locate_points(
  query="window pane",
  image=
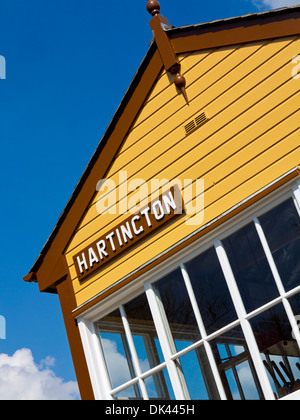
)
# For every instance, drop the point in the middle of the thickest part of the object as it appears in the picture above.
(250, 268)
(279, 351)
(211, 291)
(159, 386)
(282, 230)
(198, 375)
(174, 297)
(115, 349)
(235, 366)
(295, 304)
(143, 332)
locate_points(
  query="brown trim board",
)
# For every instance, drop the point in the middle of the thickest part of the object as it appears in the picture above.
(68, 303)
(236, 31)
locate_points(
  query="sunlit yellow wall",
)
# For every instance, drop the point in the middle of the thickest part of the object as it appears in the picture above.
(251, 138)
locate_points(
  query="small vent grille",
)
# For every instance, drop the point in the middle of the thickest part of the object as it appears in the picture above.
(195, 123)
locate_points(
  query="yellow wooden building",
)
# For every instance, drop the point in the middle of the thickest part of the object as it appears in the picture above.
(176, 259)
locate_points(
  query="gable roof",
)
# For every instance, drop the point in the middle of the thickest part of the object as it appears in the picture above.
(50, 265)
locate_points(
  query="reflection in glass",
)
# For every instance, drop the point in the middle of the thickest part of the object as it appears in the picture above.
(115, 349)
(281, 226)
(250, 268)
(159, 386)
(295, 305)
(198, 375)
(235, 366)
(279, 351)
(143, 332)
(174, 297)
(211, 291)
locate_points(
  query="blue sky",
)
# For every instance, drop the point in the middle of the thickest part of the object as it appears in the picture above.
(69, 64)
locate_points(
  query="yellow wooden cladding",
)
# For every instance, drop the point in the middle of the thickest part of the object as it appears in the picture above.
(251, 138)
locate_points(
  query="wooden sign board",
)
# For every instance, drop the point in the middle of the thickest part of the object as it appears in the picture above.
(136, 227)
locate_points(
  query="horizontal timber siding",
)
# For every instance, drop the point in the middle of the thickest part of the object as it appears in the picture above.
(251, 138)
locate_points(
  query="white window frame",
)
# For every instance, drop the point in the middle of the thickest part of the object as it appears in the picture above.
(89, 335)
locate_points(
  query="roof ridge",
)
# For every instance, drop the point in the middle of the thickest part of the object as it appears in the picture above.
(248, 16)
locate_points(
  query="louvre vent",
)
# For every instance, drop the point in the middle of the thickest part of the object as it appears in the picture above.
(195, 123)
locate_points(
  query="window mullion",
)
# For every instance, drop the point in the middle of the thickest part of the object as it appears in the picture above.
(95, 360)
(296, 196)
(134, 355)
(245, 325)
(203, 333)
(179, 389)
(278, 281)
(269, 256)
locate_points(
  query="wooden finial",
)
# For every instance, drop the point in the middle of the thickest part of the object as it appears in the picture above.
(169, 58)
(180, 83)
(153, 7)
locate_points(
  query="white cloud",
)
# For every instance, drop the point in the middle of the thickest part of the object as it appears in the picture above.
(118, 366)
(116, 362)
(275, 4)
(22, 379)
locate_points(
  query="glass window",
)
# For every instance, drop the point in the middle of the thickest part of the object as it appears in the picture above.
(172, 292)
(279, 351)
(143, 333)
(250, 268)
(198, 375)
(115, 349)
(228, 350)
(211, 292)
(159, 386)
(295, 304)
(281, 226)
(235, 366)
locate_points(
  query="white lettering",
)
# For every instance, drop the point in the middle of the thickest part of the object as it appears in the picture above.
(296, 69)
(119, 237)
(156, 214)
(156, 187)
(109, 237)
(145, 213)
(2, 328)
(126, 232)
(169, 202)
(140, 187)
(123, 192)
(106, 203)
(92, 257)
(141, 229)
(101, 249)
(82, 263)
(123, 410)
(2, 67)
(194, 202)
